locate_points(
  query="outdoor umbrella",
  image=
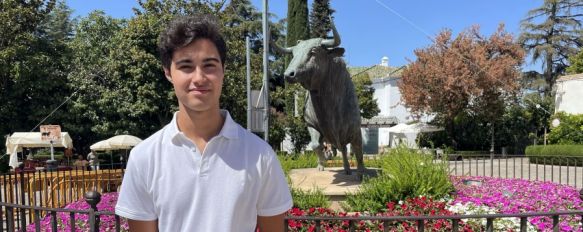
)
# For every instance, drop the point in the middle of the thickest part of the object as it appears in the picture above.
(421, 127)
(102, 145)
(123, 141)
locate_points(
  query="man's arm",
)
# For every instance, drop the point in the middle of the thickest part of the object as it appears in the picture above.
(271, 223)
(144, 226)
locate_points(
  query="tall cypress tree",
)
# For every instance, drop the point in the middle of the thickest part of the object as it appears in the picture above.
(319, 18)
(297, 24)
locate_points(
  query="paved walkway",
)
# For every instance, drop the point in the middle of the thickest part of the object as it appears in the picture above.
(332, 181)
(519, 168)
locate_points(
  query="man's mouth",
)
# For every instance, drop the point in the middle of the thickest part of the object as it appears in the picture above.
(199, 90)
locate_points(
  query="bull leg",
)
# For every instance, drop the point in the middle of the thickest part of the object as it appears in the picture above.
(317, 146)
(356, 146)
(345, 162)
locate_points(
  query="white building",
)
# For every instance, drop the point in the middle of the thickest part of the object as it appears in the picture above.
(385, 81)
(569, 94)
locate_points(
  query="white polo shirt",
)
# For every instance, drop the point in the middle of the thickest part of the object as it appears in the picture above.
(223, 188)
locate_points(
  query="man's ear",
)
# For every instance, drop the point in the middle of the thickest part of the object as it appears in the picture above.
(167, 74)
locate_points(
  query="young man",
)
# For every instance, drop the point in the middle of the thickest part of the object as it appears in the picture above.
(202, 171)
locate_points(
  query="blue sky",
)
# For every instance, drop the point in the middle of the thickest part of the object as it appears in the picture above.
(371, 29)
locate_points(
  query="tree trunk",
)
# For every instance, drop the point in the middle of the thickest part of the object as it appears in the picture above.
(492, 140)
(449, 127)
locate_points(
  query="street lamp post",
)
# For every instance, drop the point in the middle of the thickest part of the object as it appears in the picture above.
(538, 106)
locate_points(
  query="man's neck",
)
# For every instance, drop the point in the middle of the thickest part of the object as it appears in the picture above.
(200, 126)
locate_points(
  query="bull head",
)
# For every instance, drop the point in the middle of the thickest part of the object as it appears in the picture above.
(310, 56)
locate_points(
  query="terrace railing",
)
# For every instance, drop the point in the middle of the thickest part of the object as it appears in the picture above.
(566, 170)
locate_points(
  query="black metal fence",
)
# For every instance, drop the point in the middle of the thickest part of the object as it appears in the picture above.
(388, 223)
(28, 196)
(567, 170)
(28, 218)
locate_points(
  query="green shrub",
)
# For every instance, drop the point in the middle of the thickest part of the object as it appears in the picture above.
(569, 131)
(4, 168)
(295, 161)
(309, 199)
(405, 174)
(571, 155)
(472, 154)
(45, 154)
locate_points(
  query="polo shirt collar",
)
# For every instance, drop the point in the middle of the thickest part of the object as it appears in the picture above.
(229, 129)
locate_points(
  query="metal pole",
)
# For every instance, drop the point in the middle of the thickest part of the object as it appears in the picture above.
(545, 136)
(265, 71)
(52, 151)
(248, 83)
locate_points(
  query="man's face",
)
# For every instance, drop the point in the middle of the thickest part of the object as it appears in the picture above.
(196, 72)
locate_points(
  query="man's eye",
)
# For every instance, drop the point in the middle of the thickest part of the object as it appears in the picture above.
(210, 65)
(185, 67)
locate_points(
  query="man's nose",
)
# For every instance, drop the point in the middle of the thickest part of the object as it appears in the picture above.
(198, 76)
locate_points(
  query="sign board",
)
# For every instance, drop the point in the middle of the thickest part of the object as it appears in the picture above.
(50, 132)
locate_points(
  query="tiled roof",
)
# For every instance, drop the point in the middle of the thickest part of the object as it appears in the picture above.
(578, 76)
(379, 121)
(375, 72)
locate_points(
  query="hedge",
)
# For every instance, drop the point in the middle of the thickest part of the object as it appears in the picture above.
(571, 155)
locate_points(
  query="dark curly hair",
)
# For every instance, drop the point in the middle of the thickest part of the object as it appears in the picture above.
(183, 30)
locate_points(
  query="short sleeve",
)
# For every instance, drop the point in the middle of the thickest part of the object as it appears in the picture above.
(275, 197)
(134, 202)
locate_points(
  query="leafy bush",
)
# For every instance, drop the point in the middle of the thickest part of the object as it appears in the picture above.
(569, 131)
(409, 207)
(4, 168)
(45, 154)
(295, 161)
(405, 174)
(314, 198)
(571, 155)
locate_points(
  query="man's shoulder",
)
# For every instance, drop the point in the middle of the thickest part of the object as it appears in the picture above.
(252, 139)
(148, 146)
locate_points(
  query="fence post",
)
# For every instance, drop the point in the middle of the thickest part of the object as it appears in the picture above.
(22, 197)
(93, 198)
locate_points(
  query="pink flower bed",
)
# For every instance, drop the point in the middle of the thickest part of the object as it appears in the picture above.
(502, 195)
(107, 223)
(521, 196)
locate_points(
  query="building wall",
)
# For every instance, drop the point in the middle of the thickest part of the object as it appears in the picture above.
(569, 95)
(388, 99)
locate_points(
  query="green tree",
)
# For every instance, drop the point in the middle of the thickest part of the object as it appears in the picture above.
(552, 33)
(32, 63)
(576, 63)
(92, 78)
(365, 92)
(320, 18)
(569, 131)
(471, 74)
(298, 27)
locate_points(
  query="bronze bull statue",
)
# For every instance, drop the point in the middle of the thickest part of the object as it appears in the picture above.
(331, 110)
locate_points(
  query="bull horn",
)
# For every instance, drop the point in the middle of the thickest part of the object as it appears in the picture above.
(332, 42)
(280, 49)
